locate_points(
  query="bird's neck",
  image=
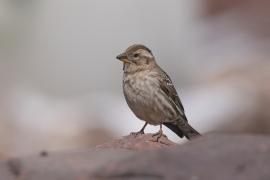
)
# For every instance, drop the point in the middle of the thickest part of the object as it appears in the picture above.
(132, 68)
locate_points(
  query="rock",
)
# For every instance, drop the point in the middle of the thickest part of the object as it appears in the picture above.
(59, 166)
(77, 164)
(222, 157)
(140, 142)
(211, 157)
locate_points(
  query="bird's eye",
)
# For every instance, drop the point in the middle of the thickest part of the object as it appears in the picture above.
(136, 55)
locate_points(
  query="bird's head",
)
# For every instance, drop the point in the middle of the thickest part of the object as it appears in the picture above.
(137, 57)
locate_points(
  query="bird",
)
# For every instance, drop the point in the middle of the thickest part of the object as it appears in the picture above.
(151, 95)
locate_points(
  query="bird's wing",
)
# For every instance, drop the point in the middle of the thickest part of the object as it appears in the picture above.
(168, 88)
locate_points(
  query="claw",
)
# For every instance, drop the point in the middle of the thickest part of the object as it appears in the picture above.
(140, 132)
(137, 133)
(158, 135)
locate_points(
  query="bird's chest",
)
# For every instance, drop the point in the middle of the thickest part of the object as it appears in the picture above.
(139, 93)
(136, 88)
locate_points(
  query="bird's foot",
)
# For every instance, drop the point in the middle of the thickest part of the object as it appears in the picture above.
(158, 135)
(135, 134)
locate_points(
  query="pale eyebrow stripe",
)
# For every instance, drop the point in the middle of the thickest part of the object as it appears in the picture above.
(145, 53)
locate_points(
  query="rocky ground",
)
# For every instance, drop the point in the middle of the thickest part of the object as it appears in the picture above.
(211, 157)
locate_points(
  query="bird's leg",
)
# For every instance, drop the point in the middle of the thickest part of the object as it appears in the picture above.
(139, 132)
(159, 134)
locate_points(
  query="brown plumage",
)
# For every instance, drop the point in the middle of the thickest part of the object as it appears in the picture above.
(150, 93)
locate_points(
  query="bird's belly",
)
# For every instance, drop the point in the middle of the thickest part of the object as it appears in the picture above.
(147, 113)
(141, 100)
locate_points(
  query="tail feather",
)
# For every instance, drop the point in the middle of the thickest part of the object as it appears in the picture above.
(182, 128)
(175, 129)
(191, 132)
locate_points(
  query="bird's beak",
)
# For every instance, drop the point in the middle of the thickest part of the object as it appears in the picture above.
(123, 57)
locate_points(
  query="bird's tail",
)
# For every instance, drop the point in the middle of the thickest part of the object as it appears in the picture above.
(190, 132)
(175, 129)
(182, 128)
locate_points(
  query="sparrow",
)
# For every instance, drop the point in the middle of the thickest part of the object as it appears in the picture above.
(150, 93)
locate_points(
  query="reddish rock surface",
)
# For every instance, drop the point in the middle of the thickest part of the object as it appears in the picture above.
(211, 157)
(140, 142)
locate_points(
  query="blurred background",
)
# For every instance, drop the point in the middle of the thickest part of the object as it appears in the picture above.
(61, 86)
